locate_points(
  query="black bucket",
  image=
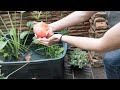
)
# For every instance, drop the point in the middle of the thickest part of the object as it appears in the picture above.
(50, 68)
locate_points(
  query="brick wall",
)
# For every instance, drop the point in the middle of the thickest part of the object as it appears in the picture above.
(52, 16)
(98, 25)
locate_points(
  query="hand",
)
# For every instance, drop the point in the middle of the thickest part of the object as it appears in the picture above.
(50, 31)
(51, 40)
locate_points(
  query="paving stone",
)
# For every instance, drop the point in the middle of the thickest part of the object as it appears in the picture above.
(99, 73)
(85, 73)
(96, 63)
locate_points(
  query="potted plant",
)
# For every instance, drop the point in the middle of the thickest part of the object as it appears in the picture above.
(23, 57)
(78, 58)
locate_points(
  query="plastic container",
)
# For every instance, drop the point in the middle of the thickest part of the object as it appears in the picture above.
(52, 68)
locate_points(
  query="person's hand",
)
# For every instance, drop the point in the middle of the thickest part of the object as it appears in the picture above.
(42, 30)
(51, 40)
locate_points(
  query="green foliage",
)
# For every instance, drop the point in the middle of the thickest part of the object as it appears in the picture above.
(53, 51)
(37, 16)
(23, 34)
(64, 32)
(30, 24)
(78, 58)
(2, 44)
(11, 44)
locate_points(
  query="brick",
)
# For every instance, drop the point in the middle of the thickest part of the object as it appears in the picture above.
(96, 34)
(93, 18)
(98, 31)
(86, 22)
(91, 21)
(79, 34)
(92, 27)
(99, 35)
(83, 23)
(73, 31)
(99, 19)
(80, 27)
(101, 31)
(100, 14)
(91, 30)
(91, 33)
(101, 25)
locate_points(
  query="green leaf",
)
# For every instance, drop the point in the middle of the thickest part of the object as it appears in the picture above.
(1, 62)
(30, 24)
(78, 58)
(65, 31)
(23, 34)
(34, 38)
(60, 50)
(11, 32)
(5, 55)
(1, 51)
(35, 41)
(2, 44)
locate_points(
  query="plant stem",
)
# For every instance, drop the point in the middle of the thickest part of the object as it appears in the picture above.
(20, 22)
(39, 15)
(16, 44)
(15, 19)
(26, 37)
(34, 15)
(4, 24)
(18, 33)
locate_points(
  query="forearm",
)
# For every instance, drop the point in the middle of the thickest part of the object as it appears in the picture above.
(72, 19)
(110, 41)
(86, 43)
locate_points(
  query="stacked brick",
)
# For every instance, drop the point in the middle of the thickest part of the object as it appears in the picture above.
(80, 30)
(98, 25)
(16, 19)
(77, 30)
(57, 15)
(46, 16)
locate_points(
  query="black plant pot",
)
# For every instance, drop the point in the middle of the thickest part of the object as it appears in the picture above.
(50, 68)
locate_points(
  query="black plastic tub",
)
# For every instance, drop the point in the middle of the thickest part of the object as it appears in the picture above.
(52, 68)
